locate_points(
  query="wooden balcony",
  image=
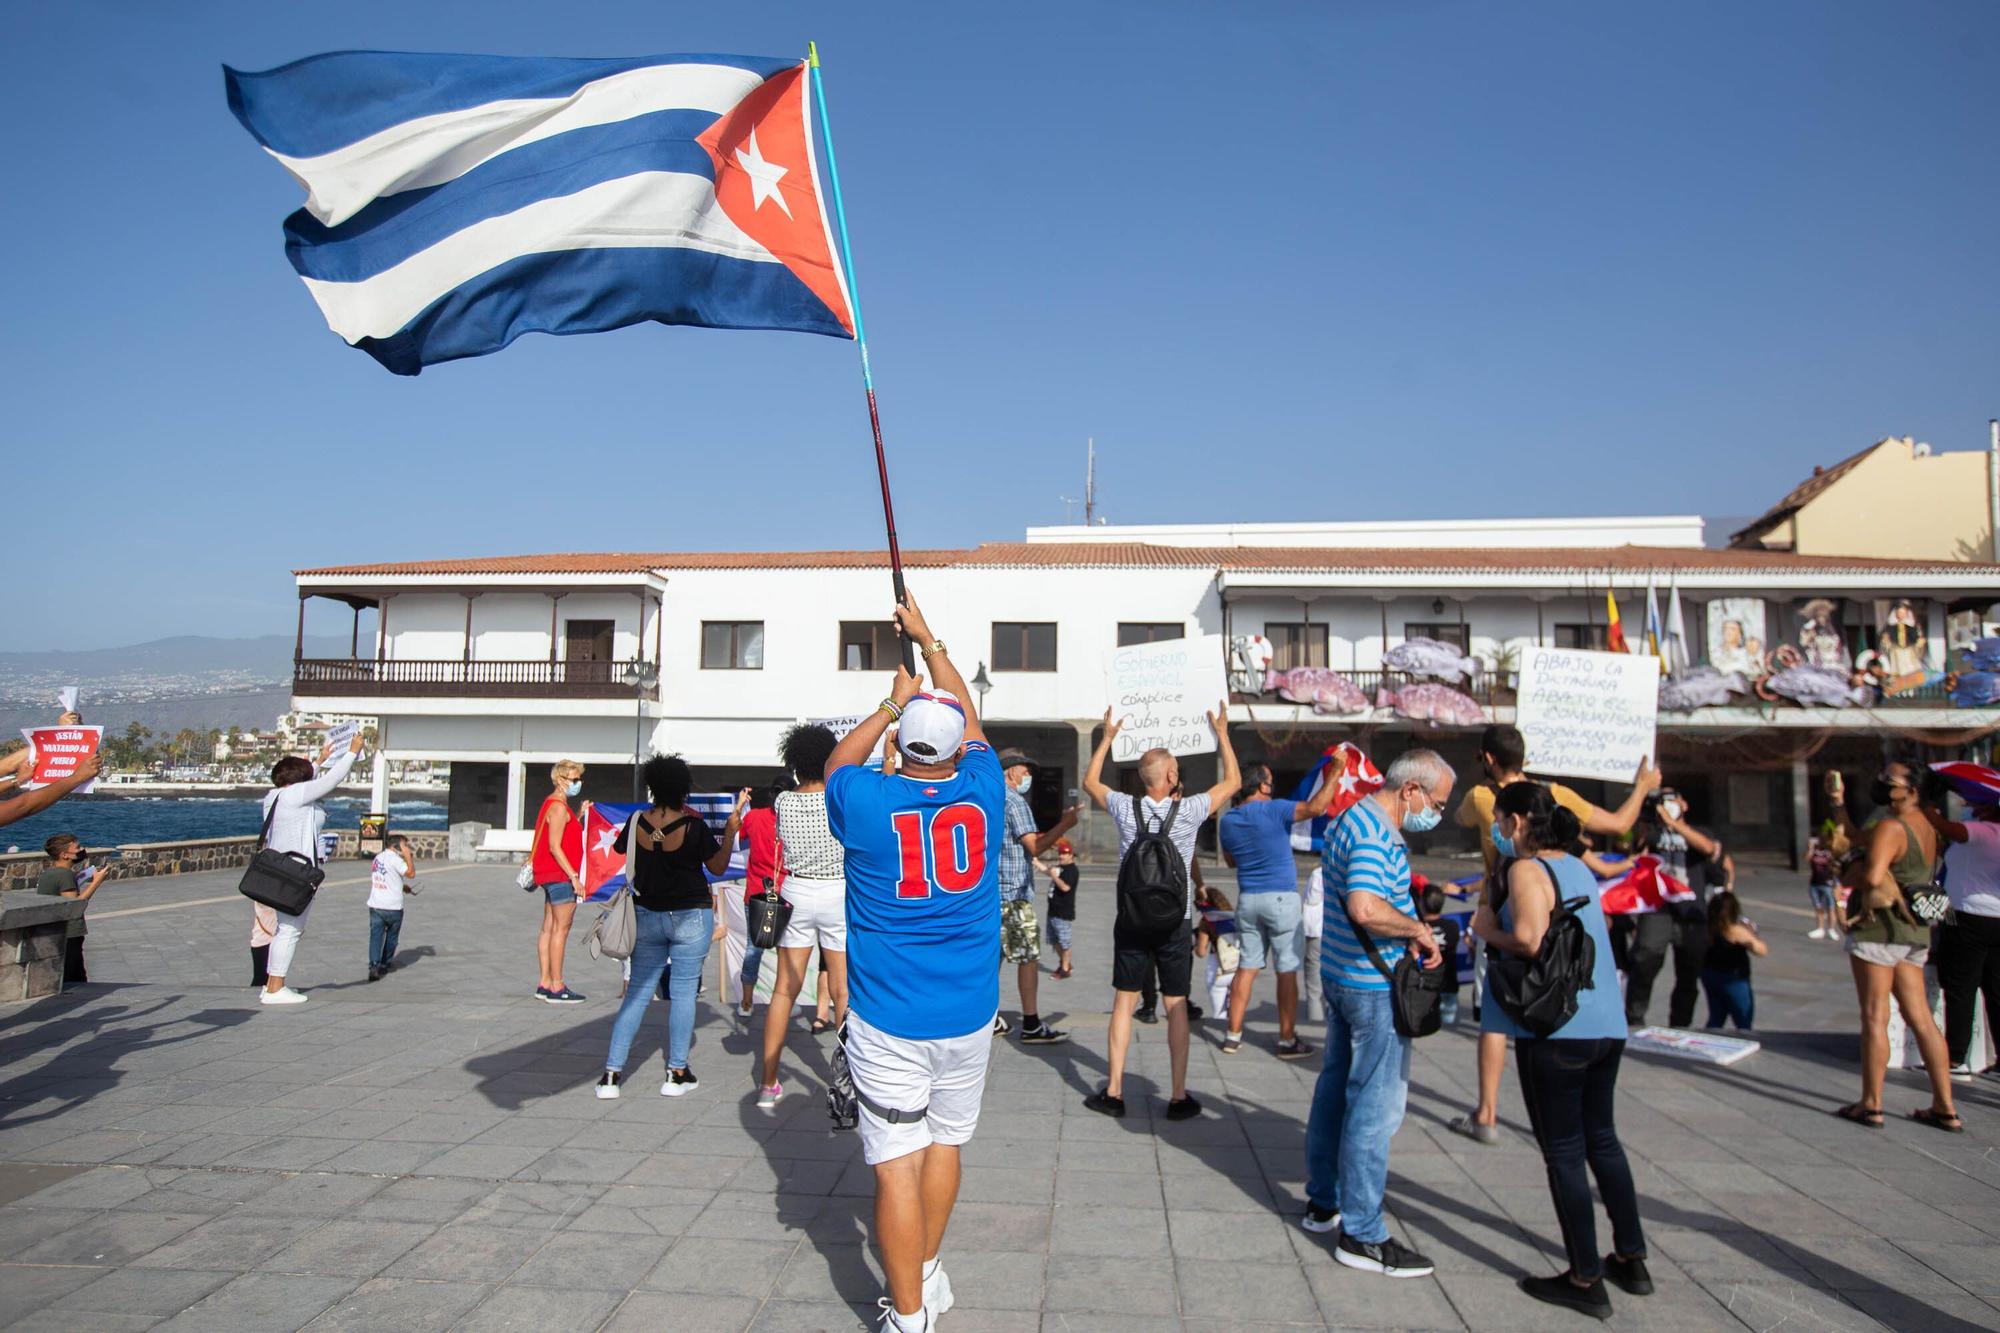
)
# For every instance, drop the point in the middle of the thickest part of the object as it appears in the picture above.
(366, 678)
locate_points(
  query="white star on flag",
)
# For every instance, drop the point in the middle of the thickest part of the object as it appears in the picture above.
(1348, 782)
(764, 176)
(604, 841)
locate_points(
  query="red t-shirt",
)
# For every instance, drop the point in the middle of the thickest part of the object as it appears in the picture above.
(760, 834)
(546, 869)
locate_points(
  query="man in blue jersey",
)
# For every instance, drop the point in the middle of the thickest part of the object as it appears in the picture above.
(923, 957)
(1364, 1081)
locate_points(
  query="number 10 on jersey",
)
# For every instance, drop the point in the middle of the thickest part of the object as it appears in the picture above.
(944, 848)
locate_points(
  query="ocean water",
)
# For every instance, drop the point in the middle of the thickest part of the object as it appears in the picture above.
(106, 823)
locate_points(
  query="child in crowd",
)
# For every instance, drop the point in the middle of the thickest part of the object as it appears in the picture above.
(388, 880)
(1822, 880)
(1725, 969)
(1431, 900)
(1215, 939)
(69, 877)
(1063, 878)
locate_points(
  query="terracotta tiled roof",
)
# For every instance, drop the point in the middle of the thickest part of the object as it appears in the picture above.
(1137, 555)
(1797, 498)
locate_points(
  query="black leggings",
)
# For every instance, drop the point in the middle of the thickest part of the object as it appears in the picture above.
(1569, 1086)
(1968, 963)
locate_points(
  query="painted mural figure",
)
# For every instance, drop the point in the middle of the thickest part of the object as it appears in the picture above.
(1902, 643)
(1819, 636)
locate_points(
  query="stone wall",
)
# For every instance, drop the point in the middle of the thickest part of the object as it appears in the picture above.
(33, 934)
(18, 870)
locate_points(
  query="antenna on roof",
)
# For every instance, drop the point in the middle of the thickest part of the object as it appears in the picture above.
(1090, 481)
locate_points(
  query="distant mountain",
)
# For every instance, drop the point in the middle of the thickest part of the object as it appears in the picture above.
(252, 710)
(268, 657)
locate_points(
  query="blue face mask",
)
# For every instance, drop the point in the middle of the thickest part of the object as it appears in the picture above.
(576, 788)
(1502, 843)
(1424, 820)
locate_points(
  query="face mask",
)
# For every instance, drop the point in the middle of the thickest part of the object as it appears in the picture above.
(1672, 809)
(1502, 843)
(1022, 783)
(1424, 820)
(575, 788)
(1880, 792)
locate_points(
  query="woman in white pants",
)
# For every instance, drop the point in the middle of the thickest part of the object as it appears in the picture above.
(816, 887)
(293, 808)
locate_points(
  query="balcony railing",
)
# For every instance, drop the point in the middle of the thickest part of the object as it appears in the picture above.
(1497, 689)
(480, 680)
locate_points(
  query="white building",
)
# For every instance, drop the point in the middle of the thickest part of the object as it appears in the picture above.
(502, 666)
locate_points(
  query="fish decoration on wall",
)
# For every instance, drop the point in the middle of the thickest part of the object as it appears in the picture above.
(1326, 690)
(1703, 687)
(1428, 657)
(1433, 703)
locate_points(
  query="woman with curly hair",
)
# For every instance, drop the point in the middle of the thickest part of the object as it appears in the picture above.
(815, 886)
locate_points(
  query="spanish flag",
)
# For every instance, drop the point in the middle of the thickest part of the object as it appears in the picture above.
(1615, 640)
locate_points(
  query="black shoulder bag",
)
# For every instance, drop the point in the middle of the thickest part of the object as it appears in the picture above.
(282, 881)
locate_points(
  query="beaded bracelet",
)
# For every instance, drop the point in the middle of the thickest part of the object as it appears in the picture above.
(895, 713)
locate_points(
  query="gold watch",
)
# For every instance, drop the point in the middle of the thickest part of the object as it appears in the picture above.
(937, 646)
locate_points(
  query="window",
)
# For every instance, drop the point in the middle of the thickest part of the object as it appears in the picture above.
(1148, 631)
(1597, 637)
(1454, 634)
(868, 645)
(1029, 646)
(1296, 645)
(732, 645)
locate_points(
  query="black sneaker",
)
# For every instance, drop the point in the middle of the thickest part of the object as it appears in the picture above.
(1592, 1300)
(1320, 1220)
(680, 1082)
(1185, 1108)
(1000, 1026)
(1041, 1034)
(1146, 1013)
(1232, 1043)
(1391, 1257)
(374, 973)
(1194, 1013)
(564, 996)
(1294, 1049)
(607, 1086)
(1628, 1275)
(1105, 1104)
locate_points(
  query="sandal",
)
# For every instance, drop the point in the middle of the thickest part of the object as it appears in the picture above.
(1861, 1115)
(820, 1025)
(1949, 1122)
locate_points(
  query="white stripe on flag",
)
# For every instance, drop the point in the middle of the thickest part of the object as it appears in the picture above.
(431, 150)
(651, 209)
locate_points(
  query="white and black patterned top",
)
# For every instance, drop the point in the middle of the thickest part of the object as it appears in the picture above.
(811, 850)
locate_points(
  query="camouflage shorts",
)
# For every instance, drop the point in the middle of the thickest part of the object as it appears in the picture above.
(1020, 933)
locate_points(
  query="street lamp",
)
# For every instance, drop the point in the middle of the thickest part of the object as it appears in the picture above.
(641, 676)
(980, 684)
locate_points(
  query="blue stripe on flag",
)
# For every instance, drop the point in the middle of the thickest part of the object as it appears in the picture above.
(588, 291)
(396, 226)
(324, 102)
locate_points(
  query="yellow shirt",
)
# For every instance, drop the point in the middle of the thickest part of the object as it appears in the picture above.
(1476, 813)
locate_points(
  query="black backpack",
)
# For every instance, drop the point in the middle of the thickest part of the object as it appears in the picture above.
(1152, 879)
(1540, 993)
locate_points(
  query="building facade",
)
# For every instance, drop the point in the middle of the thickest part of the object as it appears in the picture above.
(503, 666)
(1897, 498)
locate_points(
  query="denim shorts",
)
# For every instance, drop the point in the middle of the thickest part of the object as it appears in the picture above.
(1821, 895)
(1269, 929)
(560, 892)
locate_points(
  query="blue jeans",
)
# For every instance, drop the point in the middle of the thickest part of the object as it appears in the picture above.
(385, 928)
(1729, 999)
(1364, 1083)
(753, 963)
(681, 938)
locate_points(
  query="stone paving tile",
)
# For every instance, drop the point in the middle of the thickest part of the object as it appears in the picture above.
(467, 1252)
(28, 1287)
(156, 1292)
(112, 1238)
(346, 1248)
(400, 1304)
(582, 1260)
(233, 1241)
(262, 1301)
(651, 1311)
(721, 1267)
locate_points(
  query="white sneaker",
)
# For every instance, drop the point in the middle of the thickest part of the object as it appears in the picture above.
(892, 1322)
(1962, 1073)
(607, 1086)
(1816, 933)
(937, 1293)
(283, 995)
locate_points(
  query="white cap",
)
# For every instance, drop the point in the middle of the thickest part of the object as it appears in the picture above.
(931, 728)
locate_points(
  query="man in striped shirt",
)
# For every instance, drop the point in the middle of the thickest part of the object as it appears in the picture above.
(1365, 1079)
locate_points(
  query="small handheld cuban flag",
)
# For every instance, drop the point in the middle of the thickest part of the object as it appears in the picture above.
(456, 202)
(1976, 784)
(1358, 776)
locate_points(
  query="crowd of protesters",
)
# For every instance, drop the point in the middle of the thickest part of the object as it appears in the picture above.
(913, 884)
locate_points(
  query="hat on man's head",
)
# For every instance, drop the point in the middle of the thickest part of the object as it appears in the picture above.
(1011, 756)
(931, 728)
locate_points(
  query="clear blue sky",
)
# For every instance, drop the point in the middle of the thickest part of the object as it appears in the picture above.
(1306, 261)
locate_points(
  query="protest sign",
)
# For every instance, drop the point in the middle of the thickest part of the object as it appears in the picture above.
(1585, 714)
(58, 751)
(1161, 694)
(339, 736)
(847, 722)
(66, 696)
(1708, 1047)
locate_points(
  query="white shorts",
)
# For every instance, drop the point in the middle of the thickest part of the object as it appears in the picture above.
(819, 914)
(944, 1078)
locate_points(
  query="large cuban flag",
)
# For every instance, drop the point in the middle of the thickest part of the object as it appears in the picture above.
(455, 202)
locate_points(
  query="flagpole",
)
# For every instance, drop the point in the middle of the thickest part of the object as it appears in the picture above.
(860, 340)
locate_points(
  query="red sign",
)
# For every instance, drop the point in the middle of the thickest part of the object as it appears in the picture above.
(58, 752)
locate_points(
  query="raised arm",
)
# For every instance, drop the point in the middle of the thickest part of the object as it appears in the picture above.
(1698, 842)
(305, 793)
(41, 798)
(1948, 829)
(1231, 780)
(719, 863)
(855, 747)
(1315, 805)
(1093, 776)
(1644, 783)
(910, 620)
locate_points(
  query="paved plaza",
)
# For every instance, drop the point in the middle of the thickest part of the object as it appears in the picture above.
(425, 1152)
